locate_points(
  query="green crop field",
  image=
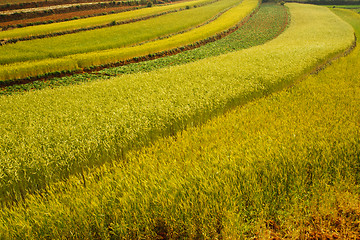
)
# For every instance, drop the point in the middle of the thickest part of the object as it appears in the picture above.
(284, 166)
(94, 21)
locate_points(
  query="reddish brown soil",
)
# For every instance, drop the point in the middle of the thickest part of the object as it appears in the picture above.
(343, 224)
(56, 17)
(21, 4)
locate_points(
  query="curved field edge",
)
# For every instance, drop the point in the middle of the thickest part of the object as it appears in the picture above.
(87, 60)
(285, 166)
(95, 22)
(266, 24)
(48, 135)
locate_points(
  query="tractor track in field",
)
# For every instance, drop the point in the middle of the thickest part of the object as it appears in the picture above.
(63, 17)
(4, 17)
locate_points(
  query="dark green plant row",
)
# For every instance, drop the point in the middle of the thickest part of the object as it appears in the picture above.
(266, 24)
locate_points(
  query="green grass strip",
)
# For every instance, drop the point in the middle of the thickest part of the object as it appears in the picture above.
(265, 25)
(275, 166)
(94, 21)
(80, 61)
(48, 135)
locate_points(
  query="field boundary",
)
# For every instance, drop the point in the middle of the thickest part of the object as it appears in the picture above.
(46, 3)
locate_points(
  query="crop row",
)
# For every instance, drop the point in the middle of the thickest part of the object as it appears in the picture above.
(266, 24)
(139, 33)
(278, 166)
(112, 37)
(65, 17)
(22, 4)
(55, 34)
(36, 13)
(48, 135)
(87, 23)
(114, 23)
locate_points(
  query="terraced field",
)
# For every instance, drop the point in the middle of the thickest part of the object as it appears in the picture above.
(194, 150)
(89, 23)
(58, 55)
(269, 22)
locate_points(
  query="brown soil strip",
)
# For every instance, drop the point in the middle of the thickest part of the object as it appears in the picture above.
(12, 5)
(61, 17)
(72, 8)
(66, 16)
(39, 9)
(341, 222)
(14, 40)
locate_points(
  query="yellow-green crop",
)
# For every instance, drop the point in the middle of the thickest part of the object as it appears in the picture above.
(48, 135)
